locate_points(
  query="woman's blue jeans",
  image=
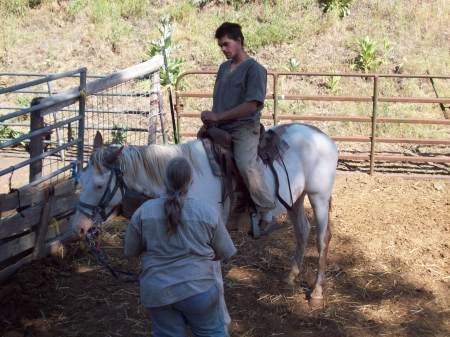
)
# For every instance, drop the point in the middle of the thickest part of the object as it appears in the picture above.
(201, 313)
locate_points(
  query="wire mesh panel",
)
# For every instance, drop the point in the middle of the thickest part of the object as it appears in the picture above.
(128, 113)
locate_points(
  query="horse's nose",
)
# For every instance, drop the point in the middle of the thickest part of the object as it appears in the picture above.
(81, 224)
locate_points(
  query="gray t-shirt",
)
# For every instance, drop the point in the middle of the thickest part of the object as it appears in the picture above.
(246, 83)
(181, 265)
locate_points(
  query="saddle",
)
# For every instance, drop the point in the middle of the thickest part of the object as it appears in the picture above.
(219, 150)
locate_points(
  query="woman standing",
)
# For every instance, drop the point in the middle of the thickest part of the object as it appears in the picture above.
(180, 240)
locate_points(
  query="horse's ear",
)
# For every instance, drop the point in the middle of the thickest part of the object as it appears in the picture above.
(112, 157)
(98, 140)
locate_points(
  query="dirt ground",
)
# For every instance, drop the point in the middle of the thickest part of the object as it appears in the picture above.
(388, 274)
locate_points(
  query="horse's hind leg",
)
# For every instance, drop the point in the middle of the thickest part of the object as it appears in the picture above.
(321, 206)
(301, 228)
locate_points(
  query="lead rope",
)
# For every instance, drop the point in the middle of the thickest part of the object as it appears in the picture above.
(101, 258)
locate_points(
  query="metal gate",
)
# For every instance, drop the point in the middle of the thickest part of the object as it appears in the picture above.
(47, 142)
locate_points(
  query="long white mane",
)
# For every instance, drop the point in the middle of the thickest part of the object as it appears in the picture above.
(152, 159)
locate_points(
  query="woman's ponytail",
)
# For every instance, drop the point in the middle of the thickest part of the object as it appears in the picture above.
(178, 180)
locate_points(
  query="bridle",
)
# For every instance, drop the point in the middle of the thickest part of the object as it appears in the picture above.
(97, 213)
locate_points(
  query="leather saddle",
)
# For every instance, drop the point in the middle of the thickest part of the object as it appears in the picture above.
(219, 149)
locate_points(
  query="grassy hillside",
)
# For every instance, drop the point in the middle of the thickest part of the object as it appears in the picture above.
(50, 35)
(404, 36)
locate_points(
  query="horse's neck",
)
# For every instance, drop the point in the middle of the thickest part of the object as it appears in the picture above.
(144, 167)
(142, 184)
(135, 173)
(206, 187)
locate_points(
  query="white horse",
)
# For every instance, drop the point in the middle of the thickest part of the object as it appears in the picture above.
(310, 162)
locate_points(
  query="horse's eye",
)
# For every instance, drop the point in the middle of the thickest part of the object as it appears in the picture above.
(98, 187)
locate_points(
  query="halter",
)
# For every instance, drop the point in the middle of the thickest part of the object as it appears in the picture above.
(97, 213)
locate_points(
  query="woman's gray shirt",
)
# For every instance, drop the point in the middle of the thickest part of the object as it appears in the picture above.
(177, 266)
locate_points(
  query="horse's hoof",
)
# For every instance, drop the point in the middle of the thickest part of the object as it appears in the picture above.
(316, 303)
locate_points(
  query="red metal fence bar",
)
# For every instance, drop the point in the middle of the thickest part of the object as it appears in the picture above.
(374, 120)
(381, 158)
(334, 118)
(331, 98)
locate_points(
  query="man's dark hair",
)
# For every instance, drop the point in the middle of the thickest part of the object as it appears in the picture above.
(232, 30)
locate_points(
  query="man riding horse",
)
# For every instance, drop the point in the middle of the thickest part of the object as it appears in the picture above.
(239, 93)
(309, 160)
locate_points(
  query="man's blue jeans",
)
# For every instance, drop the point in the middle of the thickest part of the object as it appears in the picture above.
(202, 313)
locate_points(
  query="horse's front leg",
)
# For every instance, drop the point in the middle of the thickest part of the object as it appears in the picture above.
(321, 208)
(301, 229)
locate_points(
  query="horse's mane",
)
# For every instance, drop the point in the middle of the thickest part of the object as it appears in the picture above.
(153, 159)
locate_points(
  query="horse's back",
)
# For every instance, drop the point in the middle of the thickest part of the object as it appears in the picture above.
(307, 138)
(312, 153)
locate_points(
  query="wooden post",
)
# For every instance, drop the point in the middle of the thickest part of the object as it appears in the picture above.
(82, 121)
(154, 108)
(162, 115)
(41, 232)
(36, 143)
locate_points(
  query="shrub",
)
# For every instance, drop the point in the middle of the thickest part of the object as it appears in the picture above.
(369, 56)
(293, 64)
(133, 8)
(332, 83)
(342, 7)
(7, 132)
(164, 46)
(119, 134)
